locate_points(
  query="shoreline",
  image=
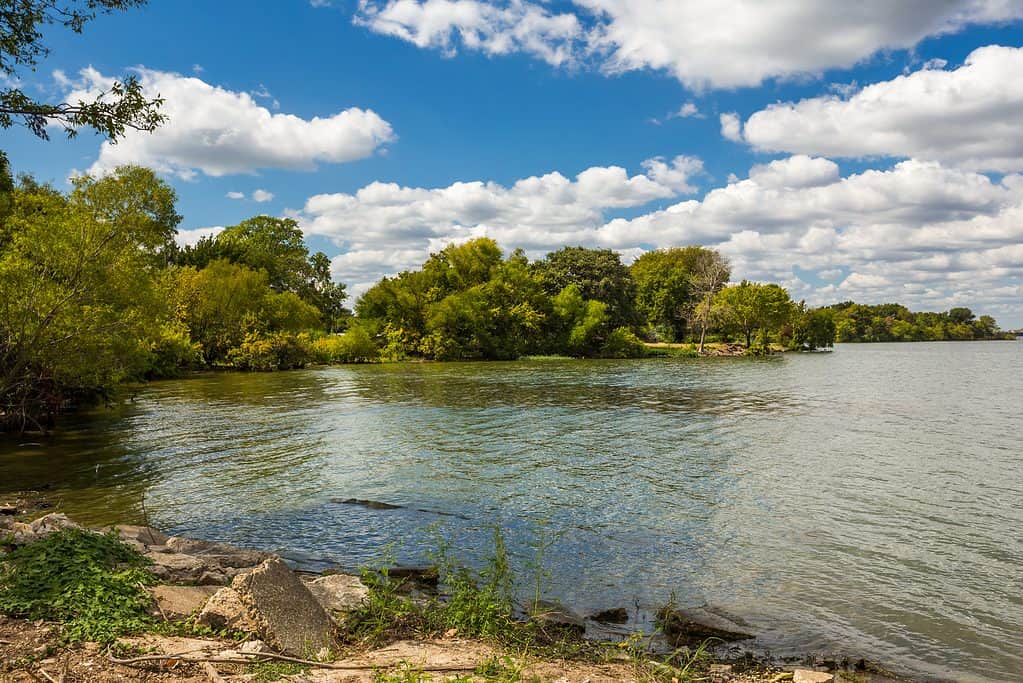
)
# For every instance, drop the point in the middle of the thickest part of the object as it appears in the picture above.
(195, 574)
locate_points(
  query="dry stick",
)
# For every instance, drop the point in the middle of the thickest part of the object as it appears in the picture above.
(211, 673)
(47, 676)
(264, 656)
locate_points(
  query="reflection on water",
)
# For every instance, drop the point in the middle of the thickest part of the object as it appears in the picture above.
(866, 501)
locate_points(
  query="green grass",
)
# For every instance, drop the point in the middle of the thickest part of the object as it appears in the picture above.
(92, 584)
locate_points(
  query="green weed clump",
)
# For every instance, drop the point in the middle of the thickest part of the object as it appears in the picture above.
(92, 584)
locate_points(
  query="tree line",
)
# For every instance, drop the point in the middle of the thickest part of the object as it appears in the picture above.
(95, 293)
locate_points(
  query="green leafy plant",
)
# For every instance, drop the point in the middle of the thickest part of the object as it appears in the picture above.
(92, 584)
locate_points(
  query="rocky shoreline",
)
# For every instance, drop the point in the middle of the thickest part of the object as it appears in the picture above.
(254, 609)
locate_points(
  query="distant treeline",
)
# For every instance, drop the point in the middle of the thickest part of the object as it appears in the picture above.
(94, 293)
(896, 323)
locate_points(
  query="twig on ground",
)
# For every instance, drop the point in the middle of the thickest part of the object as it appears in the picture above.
(211, 673)
(47, 676)
(266, 656)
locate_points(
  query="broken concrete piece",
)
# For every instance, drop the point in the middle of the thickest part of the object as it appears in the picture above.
(225, 610)
(289, 617)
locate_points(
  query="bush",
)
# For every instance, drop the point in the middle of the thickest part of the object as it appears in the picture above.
(354, 346)
(93, 584)
(622, 343)
(272, 351)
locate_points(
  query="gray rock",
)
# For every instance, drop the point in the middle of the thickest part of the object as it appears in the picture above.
(217, 554)
(144, 535)
(177, 602)
(289, 617)
(338, 592)
(695, 625)
(557, 616)
(175, 567)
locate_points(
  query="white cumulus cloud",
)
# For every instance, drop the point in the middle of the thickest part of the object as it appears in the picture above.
(723, 44)
(218, 132)
(967, 117)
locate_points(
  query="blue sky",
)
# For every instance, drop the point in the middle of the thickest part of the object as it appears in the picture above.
(874, 158)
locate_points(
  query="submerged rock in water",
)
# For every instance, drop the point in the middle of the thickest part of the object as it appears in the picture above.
(615, 615)
(371, 504)
(557, 616)
(694, 625)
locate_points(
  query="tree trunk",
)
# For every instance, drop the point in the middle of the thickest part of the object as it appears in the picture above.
(703, 335)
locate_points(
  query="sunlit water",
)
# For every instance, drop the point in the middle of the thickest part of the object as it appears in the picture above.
(864, 502)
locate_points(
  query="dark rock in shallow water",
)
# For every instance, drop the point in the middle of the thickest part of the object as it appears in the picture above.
(423, 575)
(371, 504)
(558, 617)
(615, 615)
(694, 625)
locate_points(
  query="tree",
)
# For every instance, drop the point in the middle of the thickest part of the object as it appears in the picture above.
(276, 247)
(110, 112)
(663, 293)
(78, 303)
(600, 276)
(813, 329)
(750, 307)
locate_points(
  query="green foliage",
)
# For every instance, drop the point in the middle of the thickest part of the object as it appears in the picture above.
(600, 276)
(274, 246)
(671, 283)
(114, 110)
(78, 299)
(93, 584)
(894, 322)
(354, 346)
(750, 307)
(623, 343)
(272, 351)
(582, 322)
(813, 329)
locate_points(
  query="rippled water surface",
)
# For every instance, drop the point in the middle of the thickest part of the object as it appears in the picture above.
(867, 501)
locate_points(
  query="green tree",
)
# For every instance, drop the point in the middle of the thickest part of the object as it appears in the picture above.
(599, 274)
(583, 321)
(122, 106)
(813, 328)
(78, 300)
(750, 307)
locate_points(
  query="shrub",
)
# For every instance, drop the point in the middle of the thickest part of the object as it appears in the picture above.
(354, 346)
(93, 584)
(622, 343)
(272, 351)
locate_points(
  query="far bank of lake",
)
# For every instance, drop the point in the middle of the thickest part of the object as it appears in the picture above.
(862, 501)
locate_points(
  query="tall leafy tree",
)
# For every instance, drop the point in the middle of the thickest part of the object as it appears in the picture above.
(751, 307)
(110, 112)
(599, 274)
(77, 295)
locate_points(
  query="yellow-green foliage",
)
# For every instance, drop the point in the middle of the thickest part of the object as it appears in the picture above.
(272, 351)
(354, 346)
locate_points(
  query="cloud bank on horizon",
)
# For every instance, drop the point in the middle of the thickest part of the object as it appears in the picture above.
(926, 208)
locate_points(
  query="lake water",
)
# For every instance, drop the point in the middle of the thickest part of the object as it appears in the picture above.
(867, 501)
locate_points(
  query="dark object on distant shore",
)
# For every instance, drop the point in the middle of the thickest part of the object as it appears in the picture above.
(371, 504)
(693, 626)
(615, 615)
